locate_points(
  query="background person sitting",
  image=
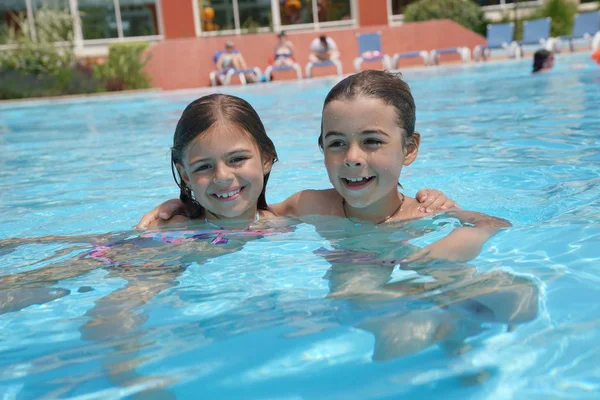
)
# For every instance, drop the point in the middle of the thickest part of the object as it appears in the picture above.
(284, 51)
(282, 58)
(543, 61)
(283, 55)
(323, 48)
(232, 59)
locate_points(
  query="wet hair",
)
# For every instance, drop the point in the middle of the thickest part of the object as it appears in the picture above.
(197, 118)
(323, 40)
(385, 86)
(539, 58)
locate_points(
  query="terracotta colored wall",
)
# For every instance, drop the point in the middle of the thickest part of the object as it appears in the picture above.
(178, 19)
(372, 12)
(186, 63)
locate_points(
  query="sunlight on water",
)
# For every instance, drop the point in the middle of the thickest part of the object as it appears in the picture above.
(274, 316)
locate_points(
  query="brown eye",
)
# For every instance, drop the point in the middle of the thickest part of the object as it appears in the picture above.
(202, 167)
(373, 142)
(238, 160)
(335, 143)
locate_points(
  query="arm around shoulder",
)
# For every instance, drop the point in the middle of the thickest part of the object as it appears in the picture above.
(306, 202)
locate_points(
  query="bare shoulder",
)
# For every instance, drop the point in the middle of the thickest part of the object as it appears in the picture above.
(309, 202)
(161, 223)
(410, 209)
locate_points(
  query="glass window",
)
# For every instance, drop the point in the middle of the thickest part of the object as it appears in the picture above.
(484, 3)
(398, 6)
(11, 11)
(53, 22)
(333, 10)
(216, 15)
(139, 17)
(254, 14)
(98, 19)
(296, 12)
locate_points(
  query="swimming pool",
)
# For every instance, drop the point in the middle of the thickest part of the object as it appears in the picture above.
(257, 323)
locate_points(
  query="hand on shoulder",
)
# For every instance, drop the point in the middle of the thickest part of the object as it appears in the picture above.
(310, 202)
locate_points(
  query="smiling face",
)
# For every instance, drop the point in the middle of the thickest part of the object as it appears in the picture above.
(225, 171)
(365, 151)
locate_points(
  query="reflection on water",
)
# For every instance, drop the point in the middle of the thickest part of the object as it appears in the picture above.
(406, 308)
(324, 310)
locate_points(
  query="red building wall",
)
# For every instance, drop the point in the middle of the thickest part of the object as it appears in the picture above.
(186, 62)
(178, 16)
(178, 19)
(372, 12)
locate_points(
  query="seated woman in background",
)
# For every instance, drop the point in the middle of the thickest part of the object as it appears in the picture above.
(283, 55)
(543, 61)
(232, 59)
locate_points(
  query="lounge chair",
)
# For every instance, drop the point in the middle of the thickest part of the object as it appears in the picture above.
(424, 54)
(310, 65)
(535, 32)
(272, 68)
(369, 50)
(464, 52)
(225, 76)
(587, 26)
(499, 36)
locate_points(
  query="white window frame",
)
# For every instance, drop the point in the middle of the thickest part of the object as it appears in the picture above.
(276, 21)
(78, 29)
(503, 6)
(93, 46)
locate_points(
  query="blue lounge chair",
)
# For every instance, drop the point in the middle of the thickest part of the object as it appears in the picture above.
(310, 65)
(587, 26)
(369, 50)
(535, 32)
(464, 52)
(272, 68)
(499, 36)
(225, 76)
(424, 54)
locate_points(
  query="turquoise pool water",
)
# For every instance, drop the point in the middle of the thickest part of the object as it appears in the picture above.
(257, 323)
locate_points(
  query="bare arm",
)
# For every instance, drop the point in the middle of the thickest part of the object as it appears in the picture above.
(306, 202)
(98, 239)
(162, 214)
(464, 243)
(220, 63)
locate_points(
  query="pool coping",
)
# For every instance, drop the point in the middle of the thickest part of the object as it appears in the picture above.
(124, 93)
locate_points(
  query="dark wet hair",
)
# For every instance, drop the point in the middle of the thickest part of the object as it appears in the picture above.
(323, 40)
(198, 117)
(385, 86)
(539, 58)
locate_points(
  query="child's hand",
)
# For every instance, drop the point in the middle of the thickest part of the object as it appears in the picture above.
(431, 200)
(164, 212)
(462, 244)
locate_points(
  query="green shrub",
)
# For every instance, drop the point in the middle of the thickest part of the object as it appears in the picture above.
(42, 64)
(49, 52)
(562, 13)
(465, 12)
(124, 68)
(18, 85)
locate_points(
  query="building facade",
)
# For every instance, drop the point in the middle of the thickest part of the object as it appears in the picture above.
(96, 23)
